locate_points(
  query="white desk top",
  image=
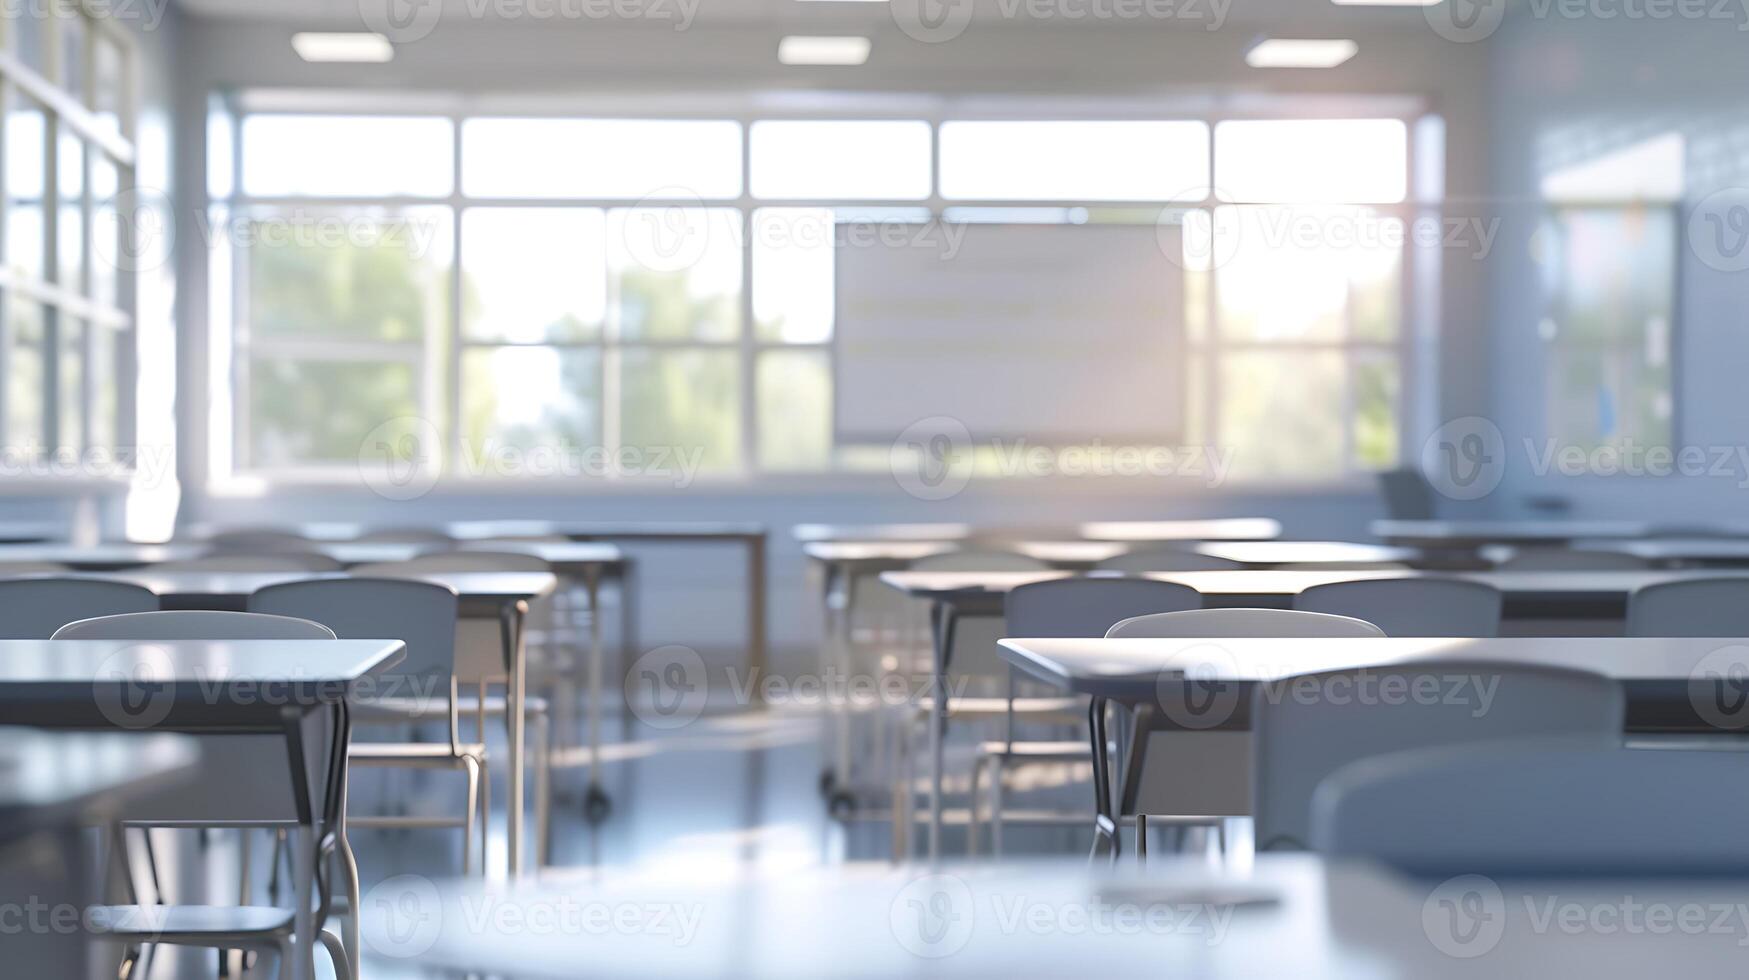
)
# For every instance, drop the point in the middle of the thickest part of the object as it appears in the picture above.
(1675, 549)
(1302, 552)
(1216, 529)
(1507, 532)
(1220, 529)
(467, 585)
(1291, 916)
(1133, 667)
(852, 552)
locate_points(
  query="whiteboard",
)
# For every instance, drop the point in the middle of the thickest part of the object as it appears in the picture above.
(1051, 333)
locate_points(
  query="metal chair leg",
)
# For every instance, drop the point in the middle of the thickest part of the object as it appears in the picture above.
(543, 801)
(472, 769)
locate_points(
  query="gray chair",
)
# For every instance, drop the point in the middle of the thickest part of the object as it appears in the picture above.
(1549, 807)
(1165, 759)
(1308, 726)
(257, 540)
(1570, 560)
(34, 608)
(419, 689)
(407, 535)
(1690, 607)
(1064, 607)
(266, 929)
(1166, 560)
(1407, 495)
(1411, 606)
(15, 568)
(285, 561)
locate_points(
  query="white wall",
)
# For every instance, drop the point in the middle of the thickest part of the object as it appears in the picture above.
(1565, 90)
(699, 598)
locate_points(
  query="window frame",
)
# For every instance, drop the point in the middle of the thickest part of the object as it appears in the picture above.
(75, 116)
(751, 347)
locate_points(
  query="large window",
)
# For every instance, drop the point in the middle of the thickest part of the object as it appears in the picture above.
(623, 288)
(67, 253)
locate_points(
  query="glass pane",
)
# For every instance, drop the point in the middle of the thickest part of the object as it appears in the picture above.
(529, 398)
(1612, 282)
(29, 36)
(25, 376)
(72, 79)
(103, 372)
(675, 273)
(105, 253)
(860, 160)
(1335, 161)
(1088, 161)
(26, 159)
(70, 163)
(795, 410)
(686, 403)
(1281, 414)
(793, 274)
(604, 158)
(348, 156)
(1376, 383)
(366, 275)
(304, 412)
(1289, 274)
(533, 274)
(71, 378)
(107, 98)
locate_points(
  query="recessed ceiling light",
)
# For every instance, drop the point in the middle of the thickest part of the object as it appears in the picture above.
(354, 47)
(1280, 52)
(803, 50)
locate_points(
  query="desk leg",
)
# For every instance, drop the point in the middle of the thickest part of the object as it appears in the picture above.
(756, 586)
(517, 722)
(942, 619)
(595, 802)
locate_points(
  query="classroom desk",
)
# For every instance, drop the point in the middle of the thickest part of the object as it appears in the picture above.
(1131, 532)
(1287, 915)
(22, 532)
(498, 596)
(1724, 552)
(1471, 535)
(1266, 554)
(53, 785)
(211, 687)
(1672, 685)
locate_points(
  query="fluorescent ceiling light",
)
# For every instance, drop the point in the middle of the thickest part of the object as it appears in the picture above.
(1280, 52)
(359, 47)
(801, 50)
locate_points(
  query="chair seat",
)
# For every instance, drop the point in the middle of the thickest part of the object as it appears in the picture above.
(186, 923)
(1038, 751)
(383, 711)
(368, 752)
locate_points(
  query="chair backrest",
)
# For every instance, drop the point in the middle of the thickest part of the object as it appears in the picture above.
(1306, 727)
(1407, 495)
(281, 561)
(455, 561)
(1570, 560)
(420, 614)
(1692, 607)
(197, 624)
(34, 608)
(979, 561)
(257, 539)
(1166, 560)
(1554, 807)
(407, 535)
(1411, 606)
(1089, 606)
(1243, 622)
